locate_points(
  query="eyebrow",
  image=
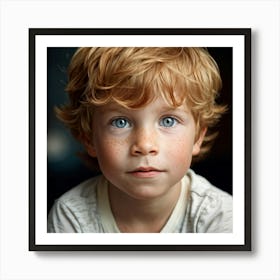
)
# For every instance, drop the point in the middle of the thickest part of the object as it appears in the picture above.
(170, 108)
(112, 108)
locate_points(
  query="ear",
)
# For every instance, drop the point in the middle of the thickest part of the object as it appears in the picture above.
(89, 146)
(197, 144)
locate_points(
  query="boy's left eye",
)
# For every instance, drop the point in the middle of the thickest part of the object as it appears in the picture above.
(168, 122)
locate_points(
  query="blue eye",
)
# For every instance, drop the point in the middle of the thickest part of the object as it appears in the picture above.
(168, 122)
(120, 123)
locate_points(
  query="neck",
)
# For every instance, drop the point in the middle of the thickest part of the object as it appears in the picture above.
(134, 215)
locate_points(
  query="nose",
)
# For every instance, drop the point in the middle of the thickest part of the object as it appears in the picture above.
(144, 142)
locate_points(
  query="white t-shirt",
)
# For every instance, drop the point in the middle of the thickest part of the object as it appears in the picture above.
(201, 207)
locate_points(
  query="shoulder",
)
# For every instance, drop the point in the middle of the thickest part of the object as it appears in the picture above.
(201, 188)
(76, 210)
(85, 191)
(210, 207)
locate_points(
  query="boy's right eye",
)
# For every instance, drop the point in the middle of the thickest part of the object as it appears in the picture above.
(120, 123)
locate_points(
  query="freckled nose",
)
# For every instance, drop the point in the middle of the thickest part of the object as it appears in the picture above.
(144, 143)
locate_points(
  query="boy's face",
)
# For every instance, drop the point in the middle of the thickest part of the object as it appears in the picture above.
(144, 152)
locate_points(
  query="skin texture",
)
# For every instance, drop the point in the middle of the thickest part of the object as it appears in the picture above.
(144, 153)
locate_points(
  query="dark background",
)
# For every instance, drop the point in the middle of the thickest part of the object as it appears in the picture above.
(66, 169)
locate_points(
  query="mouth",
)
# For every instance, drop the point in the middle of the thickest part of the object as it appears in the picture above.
(146, 172)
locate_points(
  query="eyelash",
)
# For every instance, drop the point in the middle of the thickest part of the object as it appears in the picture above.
(126, 123)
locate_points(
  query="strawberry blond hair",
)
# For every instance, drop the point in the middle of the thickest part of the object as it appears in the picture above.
(134, 77)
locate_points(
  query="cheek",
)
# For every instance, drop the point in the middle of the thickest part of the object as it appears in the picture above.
(109, 152)
(180, 152)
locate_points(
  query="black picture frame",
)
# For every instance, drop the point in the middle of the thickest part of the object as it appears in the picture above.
(35, 35)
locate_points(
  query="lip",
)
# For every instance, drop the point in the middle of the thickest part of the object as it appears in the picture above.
(145, 172)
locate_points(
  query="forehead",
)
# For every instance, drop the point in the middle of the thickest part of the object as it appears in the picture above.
(158, 104)
(142, 96)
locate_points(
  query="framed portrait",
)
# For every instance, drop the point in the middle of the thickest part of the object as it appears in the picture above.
(58, 162)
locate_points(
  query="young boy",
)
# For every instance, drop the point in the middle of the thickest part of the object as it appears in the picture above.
(143, 113)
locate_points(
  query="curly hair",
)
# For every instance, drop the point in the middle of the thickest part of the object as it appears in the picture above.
(134, 76)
